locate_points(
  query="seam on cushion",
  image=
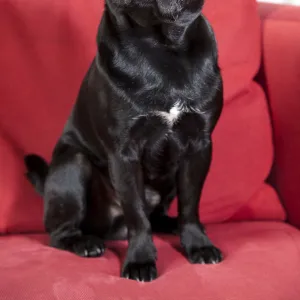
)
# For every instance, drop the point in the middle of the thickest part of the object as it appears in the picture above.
(243, 91)
(245, 204)
(220, 209)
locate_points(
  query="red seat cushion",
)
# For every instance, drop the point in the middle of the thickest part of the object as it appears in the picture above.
(46, 47)
(262, 261)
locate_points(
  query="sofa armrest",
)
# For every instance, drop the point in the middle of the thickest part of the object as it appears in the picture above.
(281, 63)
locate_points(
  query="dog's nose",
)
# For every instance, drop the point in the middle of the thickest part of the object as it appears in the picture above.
(169, 9)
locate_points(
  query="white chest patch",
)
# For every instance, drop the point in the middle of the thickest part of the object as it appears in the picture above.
(176, 112)
(172, 115)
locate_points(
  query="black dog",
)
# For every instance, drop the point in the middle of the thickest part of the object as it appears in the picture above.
(139, 134)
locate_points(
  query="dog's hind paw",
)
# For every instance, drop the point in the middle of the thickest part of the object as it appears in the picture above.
(84, 246)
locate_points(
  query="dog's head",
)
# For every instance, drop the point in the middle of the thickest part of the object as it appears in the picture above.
(154, 11)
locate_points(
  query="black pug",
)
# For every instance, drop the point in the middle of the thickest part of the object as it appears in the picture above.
(138, 136)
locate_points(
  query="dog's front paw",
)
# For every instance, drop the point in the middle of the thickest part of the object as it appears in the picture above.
(204, 255)
(144, 272)
(85, 246)
(198, 248)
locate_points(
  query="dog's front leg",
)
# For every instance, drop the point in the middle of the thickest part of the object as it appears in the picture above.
(190, 181)
(141, 254)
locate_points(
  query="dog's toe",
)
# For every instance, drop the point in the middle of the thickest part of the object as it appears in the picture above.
(88, 246)
(205, 255)
(144, 272)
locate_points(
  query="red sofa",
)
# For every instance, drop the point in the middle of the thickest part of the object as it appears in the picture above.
(46, 47)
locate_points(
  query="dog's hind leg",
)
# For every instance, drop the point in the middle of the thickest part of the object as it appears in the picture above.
(160, 221)
(65, 202)
(164, 224)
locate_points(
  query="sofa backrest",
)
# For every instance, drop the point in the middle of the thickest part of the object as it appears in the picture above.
(46, 48)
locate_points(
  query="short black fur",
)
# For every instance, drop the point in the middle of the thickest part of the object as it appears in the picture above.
(139, 134)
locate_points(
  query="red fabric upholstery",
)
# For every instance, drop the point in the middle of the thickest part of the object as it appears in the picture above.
(46, 48)
(282, 65)
(262, 261)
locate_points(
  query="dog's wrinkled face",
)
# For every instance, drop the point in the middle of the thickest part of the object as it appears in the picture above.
(157, 11)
